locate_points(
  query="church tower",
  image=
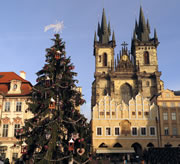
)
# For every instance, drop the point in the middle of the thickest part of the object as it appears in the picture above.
(131, 72)
(104, 59)
(144, 50)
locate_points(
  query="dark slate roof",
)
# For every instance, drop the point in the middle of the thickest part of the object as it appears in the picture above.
(177, 93)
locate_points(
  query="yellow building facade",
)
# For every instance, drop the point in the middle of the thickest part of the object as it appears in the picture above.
(118, 128)
(169, 116)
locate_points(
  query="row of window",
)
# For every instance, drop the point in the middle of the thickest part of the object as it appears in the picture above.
(174, 131)
(165, 116)
(172, 104)
(6, 127)
(133, 113)
(8, 106)
(134, 131)
(14, 156)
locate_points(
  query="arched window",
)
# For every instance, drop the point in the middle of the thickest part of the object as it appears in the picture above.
(117, 145)
(126, 92)
(105, 59)
(103, 145)
(150, 145)
(146, 57)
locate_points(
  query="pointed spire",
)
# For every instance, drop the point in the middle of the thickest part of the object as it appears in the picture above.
(115, 64)
(109, 28)
(95, 38)
(134, 34)
(142, 23)
(99, 30)
(117, 58)
(136, 27)
(148, 26)
(103, 23)
(143, 29)
(113, 37)
(155, 34)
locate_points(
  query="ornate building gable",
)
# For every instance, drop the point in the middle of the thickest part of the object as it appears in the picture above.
(125, 61)
(138, 108)
(17, 120)
(6, 120)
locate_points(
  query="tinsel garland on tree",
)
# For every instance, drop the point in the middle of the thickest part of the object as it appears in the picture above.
(56, 120)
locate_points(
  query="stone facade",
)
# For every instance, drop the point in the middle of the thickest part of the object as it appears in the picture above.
(14, 94)
(122, 89)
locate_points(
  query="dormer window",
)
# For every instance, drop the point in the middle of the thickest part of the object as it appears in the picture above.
(15, 86)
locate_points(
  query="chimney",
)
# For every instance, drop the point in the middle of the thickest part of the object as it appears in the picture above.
(23, 74)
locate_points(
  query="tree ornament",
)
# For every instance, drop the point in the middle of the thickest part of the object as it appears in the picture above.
(21, 130)
(57, 56)
(82, 139)
(52, 104)
(24, 148)
(80, 151)
(71, 145)
(46, 147)
(47, 81)
(48, 135)
(38, 149)
(75, 136)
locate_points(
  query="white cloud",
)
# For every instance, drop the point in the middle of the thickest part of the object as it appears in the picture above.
(58, 27)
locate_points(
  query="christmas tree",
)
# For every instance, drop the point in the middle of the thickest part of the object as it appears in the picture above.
(57, 133)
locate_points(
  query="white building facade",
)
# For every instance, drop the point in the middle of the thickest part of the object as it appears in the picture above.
(14, 94)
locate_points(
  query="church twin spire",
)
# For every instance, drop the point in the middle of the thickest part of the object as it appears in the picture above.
(142, 30)
(104, 31)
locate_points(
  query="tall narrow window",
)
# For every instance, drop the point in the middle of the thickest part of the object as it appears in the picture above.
(134, 131)
(5, 130)
(16, 127)
(143, 131)
(7, 107)
(99, 131)
(152, 131)
(15, 156)
(18, 106)
(146, 57)
(165, 116)
(174, 131)
(105, 59)
(117, 131)
(108, 131)
(166, 131)
(173, 116)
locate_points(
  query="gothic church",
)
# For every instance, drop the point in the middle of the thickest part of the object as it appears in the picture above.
(131, 72)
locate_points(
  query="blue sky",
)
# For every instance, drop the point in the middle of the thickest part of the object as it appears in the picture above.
(23, 40)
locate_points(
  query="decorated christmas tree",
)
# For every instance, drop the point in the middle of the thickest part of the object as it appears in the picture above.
(57, 133)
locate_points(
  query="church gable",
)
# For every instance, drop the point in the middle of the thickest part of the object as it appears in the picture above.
(138, 108)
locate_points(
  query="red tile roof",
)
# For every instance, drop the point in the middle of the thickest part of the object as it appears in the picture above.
(5, 79)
